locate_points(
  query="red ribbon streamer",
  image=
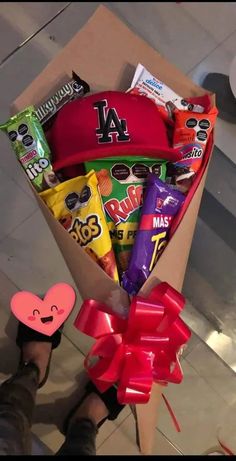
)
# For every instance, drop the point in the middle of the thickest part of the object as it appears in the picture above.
(174, 419)
(140, 350)
(227, 450)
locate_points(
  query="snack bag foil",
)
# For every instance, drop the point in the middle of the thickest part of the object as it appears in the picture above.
(191, 134)
(144, 83)
(32, 150)
(71, 90)
(121, 183)
(77, 205)
(161, 204)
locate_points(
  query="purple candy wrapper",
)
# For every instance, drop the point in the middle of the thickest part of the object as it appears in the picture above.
(161, 204)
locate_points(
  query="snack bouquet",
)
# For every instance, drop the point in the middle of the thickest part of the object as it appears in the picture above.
(117, 170)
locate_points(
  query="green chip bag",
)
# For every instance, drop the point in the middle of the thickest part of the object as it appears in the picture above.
(121, 183)
(30, 145)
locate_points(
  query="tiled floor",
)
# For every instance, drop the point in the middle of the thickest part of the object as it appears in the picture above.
(29, 257)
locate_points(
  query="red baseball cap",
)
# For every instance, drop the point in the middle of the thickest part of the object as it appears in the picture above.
(107, 124)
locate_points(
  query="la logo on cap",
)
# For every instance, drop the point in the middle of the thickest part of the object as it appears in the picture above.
(109, 123)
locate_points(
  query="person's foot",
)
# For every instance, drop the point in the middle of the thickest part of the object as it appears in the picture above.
(95, 406)
(92, 408)
(39, 353)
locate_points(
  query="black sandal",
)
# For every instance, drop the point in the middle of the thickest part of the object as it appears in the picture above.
(26, 334)
(108, 397)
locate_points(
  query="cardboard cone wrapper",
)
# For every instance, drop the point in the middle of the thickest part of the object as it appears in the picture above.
(105, 52)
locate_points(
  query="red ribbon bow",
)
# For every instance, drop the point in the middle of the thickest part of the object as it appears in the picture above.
(137, 351)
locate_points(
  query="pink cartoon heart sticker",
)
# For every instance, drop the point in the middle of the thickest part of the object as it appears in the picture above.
(47, 315)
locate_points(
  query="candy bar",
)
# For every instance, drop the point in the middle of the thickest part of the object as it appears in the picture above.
(72, 89)
(30, 145)
(167, 100)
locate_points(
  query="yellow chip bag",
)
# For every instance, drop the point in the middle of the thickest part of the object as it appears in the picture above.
(77, 205)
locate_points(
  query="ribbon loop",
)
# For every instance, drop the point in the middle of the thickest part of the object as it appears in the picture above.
(137, 351)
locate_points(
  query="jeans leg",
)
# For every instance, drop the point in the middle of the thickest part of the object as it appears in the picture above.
(17, 401)
(80, 439)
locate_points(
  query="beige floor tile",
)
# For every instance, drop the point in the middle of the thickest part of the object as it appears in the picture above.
(197, 407)
(218, 18)
(76, 16)
(225, 134)
(38, 447)
(192, 343)
(220, 377)
(30, 255)
(9, 352)
(52, 439)
(15, 206)
(167, 27)
(109, 427)
(210, 278)
(23, 19)
(123, 442)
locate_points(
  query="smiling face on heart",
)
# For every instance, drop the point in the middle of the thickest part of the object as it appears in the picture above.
(47, 315)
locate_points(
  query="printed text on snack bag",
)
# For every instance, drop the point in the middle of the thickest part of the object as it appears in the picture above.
(158, 248)
(120, 210)
(85, 232)
(155, 221)
(51, 104)
(34, 170)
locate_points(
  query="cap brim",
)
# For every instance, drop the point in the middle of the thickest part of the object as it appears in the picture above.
(169, 154)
